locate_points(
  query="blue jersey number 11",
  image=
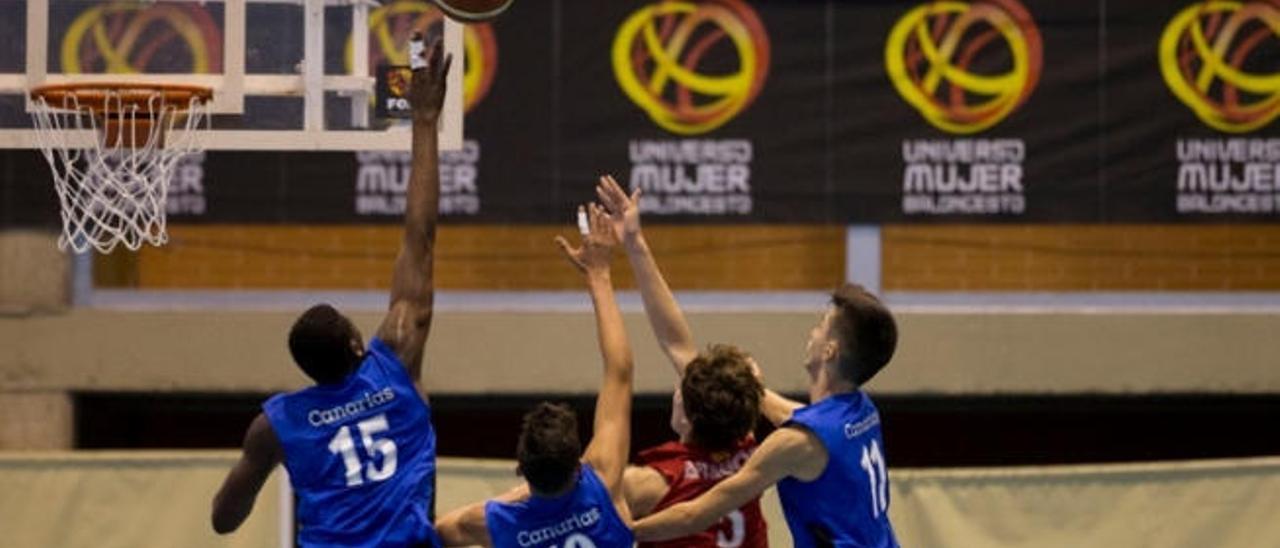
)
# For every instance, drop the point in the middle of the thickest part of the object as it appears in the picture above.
(873, 464)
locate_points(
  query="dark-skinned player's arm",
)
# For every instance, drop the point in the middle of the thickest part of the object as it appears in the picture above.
(786, 452)
(412, 285)
(660, 305)
(466, 526)
(234, 501)
(611, 435)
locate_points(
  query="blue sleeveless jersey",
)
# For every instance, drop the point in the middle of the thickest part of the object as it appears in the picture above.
(582, 518)
(848, 504)
(361, 456)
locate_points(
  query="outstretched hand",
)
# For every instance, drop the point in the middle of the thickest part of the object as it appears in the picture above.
(426, 93)
(598, 241)
(624, 211)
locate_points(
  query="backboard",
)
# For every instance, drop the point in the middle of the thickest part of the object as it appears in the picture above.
(286, 74)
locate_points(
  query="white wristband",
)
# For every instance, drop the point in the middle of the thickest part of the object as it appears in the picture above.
(583, 227)
(417, 54)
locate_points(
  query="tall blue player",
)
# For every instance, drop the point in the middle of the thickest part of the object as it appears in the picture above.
(359, 445)
(573, 498)
(826, 458)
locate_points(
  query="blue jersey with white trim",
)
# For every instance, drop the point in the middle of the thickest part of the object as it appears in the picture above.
(848, 505)
(582, 518)
(361, 456)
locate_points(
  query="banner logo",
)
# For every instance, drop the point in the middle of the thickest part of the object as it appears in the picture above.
(934, 51)
(126, 38)
(1205, 57)
(661, 51)
(1218, 58)
(391, 26)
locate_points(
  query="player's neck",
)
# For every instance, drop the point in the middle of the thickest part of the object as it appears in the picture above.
(827, 384)
(568, 487)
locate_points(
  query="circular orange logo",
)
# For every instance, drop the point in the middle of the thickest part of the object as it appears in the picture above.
(933, 50)
(127, 37)
(1212, 57)
(391, 26)
(658, 57)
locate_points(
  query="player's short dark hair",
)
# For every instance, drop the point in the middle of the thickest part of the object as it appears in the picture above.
(721, 397)
(320, 342)
(549, 449)
(865, 331)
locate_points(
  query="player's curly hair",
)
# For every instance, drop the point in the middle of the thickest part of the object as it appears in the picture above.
(548, 449)
(721, 397)
(865, 330)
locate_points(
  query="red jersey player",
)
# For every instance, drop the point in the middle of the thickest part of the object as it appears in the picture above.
(714, 408)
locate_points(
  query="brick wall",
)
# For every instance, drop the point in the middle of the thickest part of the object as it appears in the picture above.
(748, 257)
(473, 257)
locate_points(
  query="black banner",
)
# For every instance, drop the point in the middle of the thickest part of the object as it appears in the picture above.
(802, 111)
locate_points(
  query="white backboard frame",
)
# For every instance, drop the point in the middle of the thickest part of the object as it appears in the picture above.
(234, 84)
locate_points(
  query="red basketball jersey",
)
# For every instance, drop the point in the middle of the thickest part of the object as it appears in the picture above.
(690, 472)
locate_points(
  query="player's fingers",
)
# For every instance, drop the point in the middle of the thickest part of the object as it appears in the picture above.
(615, 193)
(607, 198)
(434, 49)
(621, 195)
(568, 251)
(599, 219)
(617, 187)
(448, 62)
(612, 186)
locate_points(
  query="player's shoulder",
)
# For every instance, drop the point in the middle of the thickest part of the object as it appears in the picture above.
(643, 478)
(663, 452)
(381, 349)
(261, 425)
(792, 450)
(381, 358)
(792, 442)
(645, 488)
(260, 439)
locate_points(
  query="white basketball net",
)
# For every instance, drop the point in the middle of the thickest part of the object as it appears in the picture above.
(114, 191)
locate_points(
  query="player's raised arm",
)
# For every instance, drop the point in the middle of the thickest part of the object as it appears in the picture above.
(261, 454)
(660, 306)
(412, 285)
(611, 437)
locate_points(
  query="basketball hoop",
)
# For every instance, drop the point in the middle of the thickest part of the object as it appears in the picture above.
(112, 187)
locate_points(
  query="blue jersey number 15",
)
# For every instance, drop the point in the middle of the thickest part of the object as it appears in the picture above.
(343, 444)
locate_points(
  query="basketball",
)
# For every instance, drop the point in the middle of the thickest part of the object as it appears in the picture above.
(473, 11)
